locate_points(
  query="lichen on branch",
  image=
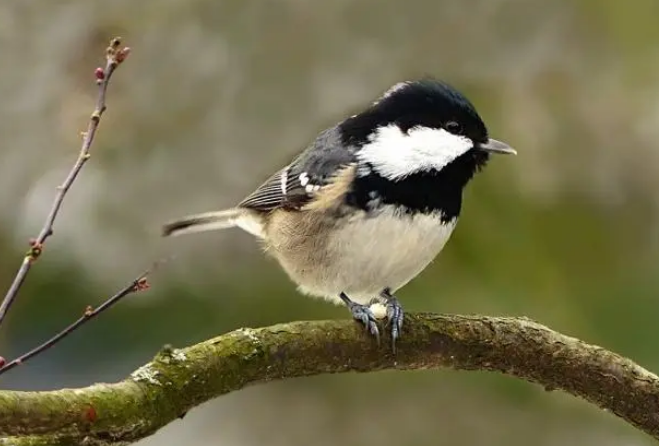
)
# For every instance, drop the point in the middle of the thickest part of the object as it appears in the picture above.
(179, 379)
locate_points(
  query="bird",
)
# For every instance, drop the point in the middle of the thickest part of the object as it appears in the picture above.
(371, 202)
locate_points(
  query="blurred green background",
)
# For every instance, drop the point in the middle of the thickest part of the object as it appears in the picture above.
(218, 94)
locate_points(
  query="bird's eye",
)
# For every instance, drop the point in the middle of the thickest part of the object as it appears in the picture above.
(453, 127)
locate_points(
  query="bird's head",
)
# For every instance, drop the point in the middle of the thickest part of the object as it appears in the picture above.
(421, 127)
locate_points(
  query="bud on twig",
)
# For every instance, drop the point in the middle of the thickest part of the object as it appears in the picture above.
(35, 250)
(142, 285)
(115, 54)
(122, 54)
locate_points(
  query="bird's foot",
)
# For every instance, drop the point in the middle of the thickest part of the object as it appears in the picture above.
(363, 314)
(395, 317)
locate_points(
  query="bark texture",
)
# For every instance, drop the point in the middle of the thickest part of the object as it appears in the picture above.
(179, 379)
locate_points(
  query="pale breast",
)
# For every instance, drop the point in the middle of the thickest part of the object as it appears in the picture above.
(363, 255)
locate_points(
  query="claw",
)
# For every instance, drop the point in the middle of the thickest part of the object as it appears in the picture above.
(395, 317)
(363, 314)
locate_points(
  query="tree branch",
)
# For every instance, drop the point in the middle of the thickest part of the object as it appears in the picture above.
(138, 284)
(178, 380)
(114, 56)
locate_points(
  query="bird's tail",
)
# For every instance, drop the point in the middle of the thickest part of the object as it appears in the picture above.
(209, 221)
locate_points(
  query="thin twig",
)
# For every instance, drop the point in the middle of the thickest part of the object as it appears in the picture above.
(114, 57)
(140, 283)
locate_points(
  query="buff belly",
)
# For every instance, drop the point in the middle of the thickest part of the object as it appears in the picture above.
(360, 255)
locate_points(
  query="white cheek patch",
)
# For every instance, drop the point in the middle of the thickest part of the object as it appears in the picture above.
(396, 154)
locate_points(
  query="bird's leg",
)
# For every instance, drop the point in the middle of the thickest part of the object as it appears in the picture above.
(395, 315)
(363, 314)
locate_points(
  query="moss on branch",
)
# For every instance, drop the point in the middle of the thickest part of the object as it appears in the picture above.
(180, 379)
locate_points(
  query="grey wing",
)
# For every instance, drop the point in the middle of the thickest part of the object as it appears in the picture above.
(270, 195)
(296, 184)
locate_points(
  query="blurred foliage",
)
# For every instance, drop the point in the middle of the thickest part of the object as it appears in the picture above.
(217, 94)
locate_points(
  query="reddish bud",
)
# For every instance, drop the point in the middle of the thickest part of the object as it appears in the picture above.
(122, 54)
(142, 285)
(3, 361)
(18, 361)
(32, 241)
(99, 73)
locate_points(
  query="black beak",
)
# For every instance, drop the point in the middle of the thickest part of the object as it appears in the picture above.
(495, 146)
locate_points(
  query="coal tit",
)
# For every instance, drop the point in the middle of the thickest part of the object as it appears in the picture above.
(371, 202)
